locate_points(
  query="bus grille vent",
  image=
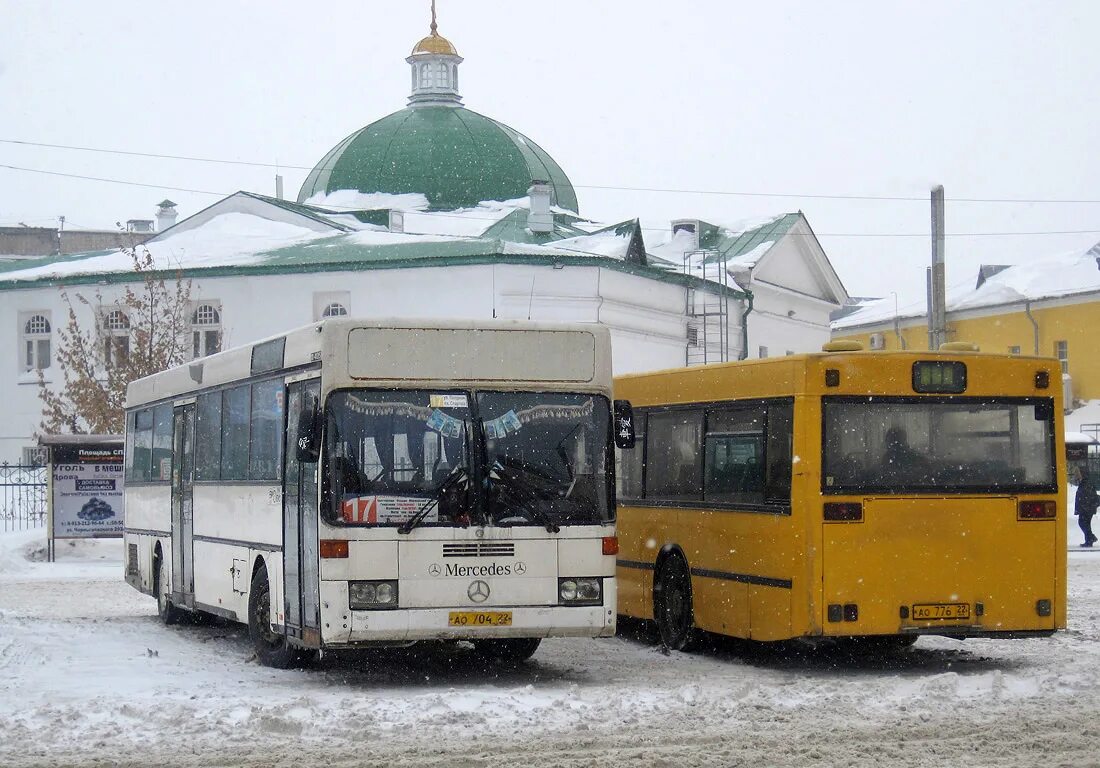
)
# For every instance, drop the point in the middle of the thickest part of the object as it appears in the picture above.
(480, 549)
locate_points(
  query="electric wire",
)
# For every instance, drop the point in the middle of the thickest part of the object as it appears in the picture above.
(606, 187)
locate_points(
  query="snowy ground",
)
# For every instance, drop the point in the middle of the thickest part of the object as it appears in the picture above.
(89, 677)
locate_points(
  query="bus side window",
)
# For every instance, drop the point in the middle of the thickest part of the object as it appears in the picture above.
(266, 430)
(630, 477)
(735, 455)
(162, 443)
(235, 418)
(143, 445)
(674, 456)
(779, 452)
(208, 430)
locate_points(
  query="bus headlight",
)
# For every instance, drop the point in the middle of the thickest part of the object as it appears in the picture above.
(580, 591)
(372, 595)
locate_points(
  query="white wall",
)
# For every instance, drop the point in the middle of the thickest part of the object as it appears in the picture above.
(646, 317)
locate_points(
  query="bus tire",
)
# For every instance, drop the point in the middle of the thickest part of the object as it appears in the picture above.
(271, 648)
(672, 603)
(168, 613)
(511, 649)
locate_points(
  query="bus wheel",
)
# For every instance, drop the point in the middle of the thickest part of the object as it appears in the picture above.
(513, 649)
(169, 613)
(271, 647)
(672, 603)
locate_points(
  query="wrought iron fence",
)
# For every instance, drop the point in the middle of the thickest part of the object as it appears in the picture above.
(22, 497)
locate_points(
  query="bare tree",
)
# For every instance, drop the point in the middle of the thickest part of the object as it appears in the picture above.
(144, 332)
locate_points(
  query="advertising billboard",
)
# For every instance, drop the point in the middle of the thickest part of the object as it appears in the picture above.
(87, 498)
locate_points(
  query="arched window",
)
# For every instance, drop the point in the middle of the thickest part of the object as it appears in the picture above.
(116, 342)
(206, 330)
(454, 76)
(36, 343)
(335, 309)
(444, 75)
(116, 320)
(415, 78)
(425, 75)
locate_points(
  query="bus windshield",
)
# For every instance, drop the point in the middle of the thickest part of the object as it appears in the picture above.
(392, 456)
(546, 456)
(942, 445)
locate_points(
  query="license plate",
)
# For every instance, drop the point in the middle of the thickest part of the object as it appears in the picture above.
(480, 619)
(933, 611)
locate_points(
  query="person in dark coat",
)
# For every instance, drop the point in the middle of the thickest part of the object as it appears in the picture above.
(1085, 504)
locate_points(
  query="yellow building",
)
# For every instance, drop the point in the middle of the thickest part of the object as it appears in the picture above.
(1048, 307)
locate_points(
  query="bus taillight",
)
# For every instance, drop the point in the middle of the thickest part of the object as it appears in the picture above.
(611, 545)
(333, 548)
(1036, 510)
(843, 512)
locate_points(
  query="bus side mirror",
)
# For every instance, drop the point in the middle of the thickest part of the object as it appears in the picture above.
(309, 433)
(624, 424)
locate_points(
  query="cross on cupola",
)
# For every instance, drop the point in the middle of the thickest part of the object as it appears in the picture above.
(434, 63)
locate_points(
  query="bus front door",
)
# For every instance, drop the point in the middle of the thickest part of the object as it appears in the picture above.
(183, 476)
(300, 557)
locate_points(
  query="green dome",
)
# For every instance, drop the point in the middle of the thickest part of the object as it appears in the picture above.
(455, 157)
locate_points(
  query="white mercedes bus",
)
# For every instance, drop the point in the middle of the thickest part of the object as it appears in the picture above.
(368, 482)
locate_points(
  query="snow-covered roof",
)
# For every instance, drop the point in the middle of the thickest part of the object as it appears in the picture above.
(250, 234)
(1063, 274)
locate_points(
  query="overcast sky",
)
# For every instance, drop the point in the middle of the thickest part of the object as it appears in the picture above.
(992, 99)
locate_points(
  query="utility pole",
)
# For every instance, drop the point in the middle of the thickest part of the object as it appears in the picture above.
(937, 284)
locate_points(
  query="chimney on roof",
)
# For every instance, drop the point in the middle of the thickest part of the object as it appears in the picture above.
(540, 219)
(166, 215)
(689, 226)
(140, 226)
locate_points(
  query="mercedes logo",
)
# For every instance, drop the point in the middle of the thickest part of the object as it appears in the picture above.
(434, 569)
(521, 568)
(478, 591)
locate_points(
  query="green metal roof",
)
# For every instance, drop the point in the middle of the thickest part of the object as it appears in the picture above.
(713, 238)
(513, 228)
(342, 253)
(454, 156)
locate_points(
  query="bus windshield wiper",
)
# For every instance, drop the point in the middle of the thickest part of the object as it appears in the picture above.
(418, 517)
(525, 493)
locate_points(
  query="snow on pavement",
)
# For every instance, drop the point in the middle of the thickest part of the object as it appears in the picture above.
(90, 677)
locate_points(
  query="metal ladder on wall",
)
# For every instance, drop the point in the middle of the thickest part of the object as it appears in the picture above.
(707, 312)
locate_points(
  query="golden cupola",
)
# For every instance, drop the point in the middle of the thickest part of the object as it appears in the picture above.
(434, 61)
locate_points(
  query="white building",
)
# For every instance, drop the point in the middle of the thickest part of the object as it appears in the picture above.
(438, 211)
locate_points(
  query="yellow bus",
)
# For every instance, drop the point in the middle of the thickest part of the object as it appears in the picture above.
(846, 494)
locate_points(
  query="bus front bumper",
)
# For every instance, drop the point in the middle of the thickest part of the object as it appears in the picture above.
(403, 625)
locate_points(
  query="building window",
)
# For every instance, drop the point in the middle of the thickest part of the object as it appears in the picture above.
(36, 342)
(763, 352)
(693, 336)
(331, 304)
(34, 456)
(425, 76)
(444, 76)
(454, 76)
(206, 330)
(116, 332)
(1013, 350)
(1061, 351)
